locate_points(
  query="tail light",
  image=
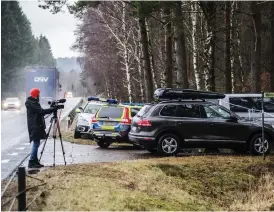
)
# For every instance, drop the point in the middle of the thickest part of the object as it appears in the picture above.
(93, 120)
(126, 119)
(144, 123)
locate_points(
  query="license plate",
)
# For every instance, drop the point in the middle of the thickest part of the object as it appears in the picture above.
(108, 123)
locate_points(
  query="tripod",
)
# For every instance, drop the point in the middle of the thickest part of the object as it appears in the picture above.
(54, 123)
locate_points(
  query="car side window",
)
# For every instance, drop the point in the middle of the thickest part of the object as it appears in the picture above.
(211, 113)
(168, 110)
(134, 111)
(240, 104)
(188, 110)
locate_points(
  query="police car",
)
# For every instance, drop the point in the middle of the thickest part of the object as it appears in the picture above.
(84, 125)
(112, 122)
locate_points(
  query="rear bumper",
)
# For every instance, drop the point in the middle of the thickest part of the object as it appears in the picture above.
(146, 141)
(117, 136)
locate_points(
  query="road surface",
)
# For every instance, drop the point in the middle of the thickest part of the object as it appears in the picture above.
(14, 136)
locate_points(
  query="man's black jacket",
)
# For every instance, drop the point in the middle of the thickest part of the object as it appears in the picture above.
(36, 121)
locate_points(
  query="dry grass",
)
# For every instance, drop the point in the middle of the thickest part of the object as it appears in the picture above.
(69, 136)
(183, 183)
(260, 197)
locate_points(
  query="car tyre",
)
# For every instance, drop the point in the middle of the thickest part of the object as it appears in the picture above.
(256, 145)
(169, 145)
(77, 134)
(103, 144)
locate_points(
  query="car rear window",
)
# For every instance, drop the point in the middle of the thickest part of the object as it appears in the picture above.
(111, 112)
(144, 110)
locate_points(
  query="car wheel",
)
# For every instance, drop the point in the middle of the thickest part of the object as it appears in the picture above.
(256, 145)
(103, 144)
(77, 134)
(169, 144)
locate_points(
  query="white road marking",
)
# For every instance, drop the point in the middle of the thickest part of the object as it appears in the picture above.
(13, 154)
(21, 148)
(5, 161)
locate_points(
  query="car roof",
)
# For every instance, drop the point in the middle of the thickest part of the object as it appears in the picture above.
(186, 101)
(243, 95)
(96, 103)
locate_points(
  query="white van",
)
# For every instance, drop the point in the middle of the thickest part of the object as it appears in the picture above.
(249, 106)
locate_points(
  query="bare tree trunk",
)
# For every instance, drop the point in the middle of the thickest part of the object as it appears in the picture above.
(126, 59)
(180, 48)
(209, 10)
(138, 56)
(272, 48)
(256, 52)
(152, 63)
(168, 49)
(194, 21)
(238, 38)
(146, 58)
(232, 48)
(228, 75)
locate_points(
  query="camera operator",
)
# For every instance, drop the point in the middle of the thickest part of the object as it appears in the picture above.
(36, 124)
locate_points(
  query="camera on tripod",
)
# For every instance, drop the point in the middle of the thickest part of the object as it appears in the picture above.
(57, 104)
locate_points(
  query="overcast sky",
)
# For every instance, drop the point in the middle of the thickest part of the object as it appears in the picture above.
(58, 28)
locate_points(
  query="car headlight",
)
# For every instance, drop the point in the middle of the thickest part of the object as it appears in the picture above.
(272, 126)
(5, 104)
(17, 104)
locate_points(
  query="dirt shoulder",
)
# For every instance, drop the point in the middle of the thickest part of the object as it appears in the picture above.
(182, 183)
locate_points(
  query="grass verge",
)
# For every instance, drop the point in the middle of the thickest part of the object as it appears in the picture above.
(182, 183)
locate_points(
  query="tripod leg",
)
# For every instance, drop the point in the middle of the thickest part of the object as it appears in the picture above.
(45, 141)
(54, 141)
(60, 136)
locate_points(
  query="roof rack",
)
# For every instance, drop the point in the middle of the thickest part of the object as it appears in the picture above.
(179, 94)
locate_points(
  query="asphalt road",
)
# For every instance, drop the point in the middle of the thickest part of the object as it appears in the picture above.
(14, 136)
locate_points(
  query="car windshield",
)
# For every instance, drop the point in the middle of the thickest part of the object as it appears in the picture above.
(144, 110)
(12, 100)
(111, 112)
(90, 108)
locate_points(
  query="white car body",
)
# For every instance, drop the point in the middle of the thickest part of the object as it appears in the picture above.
(248, 106)
(84, 124)
(12, 103)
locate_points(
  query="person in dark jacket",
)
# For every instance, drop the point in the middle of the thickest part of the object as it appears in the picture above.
(36, 125)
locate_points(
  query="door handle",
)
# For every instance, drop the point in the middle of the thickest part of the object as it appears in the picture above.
(211, 125)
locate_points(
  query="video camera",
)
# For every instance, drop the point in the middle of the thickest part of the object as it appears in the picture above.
(57, 103)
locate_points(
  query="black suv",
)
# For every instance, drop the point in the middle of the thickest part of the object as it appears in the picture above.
(170, 126)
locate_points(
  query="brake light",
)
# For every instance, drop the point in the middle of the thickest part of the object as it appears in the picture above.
(144, 123)
(93, 120)
(126, 119)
